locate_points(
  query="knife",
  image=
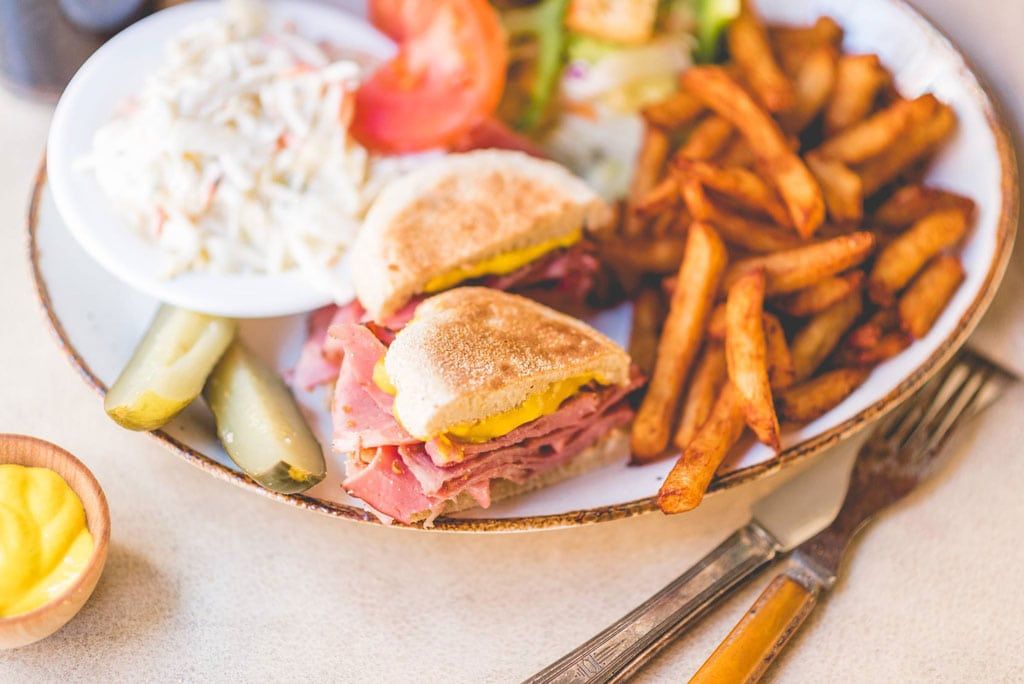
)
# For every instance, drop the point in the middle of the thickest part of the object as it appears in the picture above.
(787, 516)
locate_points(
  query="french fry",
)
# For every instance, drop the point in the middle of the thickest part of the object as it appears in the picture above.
(813, 83)
(674, 112)
(699, 278)
(913, 202)
(795, 182)
(879, 132)
(708, 379)
(662, 197)
(648, 312)
(869, 333)
(902, 258)
(781, 373)
(816, 397)
(929, 294)
(920, 141)
(821, 295)
(888, 346)
(746, 355)
(707, 138)
(843, 189)
(752, 53)
(649, 164)
(795, 269)
(816, 340)
(734, 228)
(653, 255)
(716, 323)
(793, 43)
(743, 186)
(858, 80)
(685, 485)
(737, 153)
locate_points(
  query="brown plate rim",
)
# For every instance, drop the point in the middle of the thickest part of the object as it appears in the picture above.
(1005, 230)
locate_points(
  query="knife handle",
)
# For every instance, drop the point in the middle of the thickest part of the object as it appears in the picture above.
(761, 634)
(621, 649)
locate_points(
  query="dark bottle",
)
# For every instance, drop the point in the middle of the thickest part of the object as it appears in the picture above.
(43, 42)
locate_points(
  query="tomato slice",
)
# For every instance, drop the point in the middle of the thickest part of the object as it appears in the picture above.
(448, 75)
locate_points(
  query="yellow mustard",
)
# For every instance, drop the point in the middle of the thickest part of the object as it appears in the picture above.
(500, 264)
(45, 543)
(492, 427)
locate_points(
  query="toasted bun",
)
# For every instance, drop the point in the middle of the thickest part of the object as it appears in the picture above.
(473, 352)
(605, 451)
(460, 210)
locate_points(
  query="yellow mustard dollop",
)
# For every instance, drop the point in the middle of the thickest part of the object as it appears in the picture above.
(500, 264)
(45, 543)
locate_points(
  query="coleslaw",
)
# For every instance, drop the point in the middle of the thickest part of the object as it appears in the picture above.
(235, 156)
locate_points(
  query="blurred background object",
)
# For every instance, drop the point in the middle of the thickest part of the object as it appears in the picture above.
(43, 42)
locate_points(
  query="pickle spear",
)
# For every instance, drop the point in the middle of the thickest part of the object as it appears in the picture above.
(260, 424)
(168, 368)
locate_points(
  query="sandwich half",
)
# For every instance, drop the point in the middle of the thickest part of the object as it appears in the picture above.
(496, 218)
(484, 394)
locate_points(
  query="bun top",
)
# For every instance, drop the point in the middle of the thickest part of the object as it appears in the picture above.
(473, 352)
(460, 210)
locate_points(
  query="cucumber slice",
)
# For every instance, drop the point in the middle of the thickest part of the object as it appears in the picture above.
(713, 16)
(260, 424)
(168, 368)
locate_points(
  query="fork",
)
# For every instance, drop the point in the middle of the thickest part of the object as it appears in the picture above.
(901, 453)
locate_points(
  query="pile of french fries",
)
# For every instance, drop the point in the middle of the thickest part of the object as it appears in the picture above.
(777, 206)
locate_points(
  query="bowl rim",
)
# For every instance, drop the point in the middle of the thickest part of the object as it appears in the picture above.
(101, 537)
(1005, 233)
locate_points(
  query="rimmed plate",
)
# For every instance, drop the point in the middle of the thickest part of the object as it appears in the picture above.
(97, 320)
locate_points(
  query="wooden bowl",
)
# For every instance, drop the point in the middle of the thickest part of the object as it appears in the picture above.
(27, 628)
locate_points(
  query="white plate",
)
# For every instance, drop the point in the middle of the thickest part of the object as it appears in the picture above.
(98, 320)
(115, 72)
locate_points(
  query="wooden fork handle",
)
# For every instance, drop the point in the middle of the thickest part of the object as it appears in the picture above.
(761, 634)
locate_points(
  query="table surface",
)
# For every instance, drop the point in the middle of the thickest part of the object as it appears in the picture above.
(207, 582)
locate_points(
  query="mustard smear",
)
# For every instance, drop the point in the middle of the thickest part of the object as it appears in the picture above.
(500, 264)
(45, 543)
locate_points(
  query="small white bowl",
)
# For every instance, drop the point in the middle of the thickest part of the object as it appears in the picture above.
(116, 71)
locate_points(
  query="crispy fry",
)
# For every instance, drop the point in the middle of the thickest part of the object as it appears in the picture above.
(888, 346)
(818, 396)
(737, 153)
(844, 196)
(752, 53)
(793, 43)
(677, 110)
(795, 182)
(689, 478)
(716, 322)
(781, 373)
(740, 185)
(879, 132)
(699, 278)
(869, 333)
(929, 294)
(746, 355)
(649, 164)
(821, 295)
(921, 139)
(708, 378)
(655, 255)
(707, 138)
(858, 80)
(912, 203)
(795, 269)
(648, 312)
(910, 251)
(735, 228)
(662, 197)
(816, 340)
(813, 83)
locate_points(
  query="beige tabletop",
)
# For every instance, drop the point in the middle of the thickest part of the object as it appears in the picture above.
(208, 582)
